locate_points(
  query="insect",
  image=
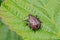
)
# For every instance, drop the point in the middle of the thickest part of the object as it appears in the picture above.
(34, 22)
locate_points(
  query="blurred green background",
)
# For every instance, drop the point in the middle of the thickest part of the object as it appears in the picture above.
(7, 34)
(14, 13)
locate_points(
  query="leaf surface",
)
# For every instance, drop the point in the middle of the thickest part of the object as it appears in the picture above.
(7, 34)
(14, 12)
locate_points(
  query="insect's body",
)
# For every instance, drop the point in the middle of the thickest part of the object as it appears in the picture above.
(34, 22)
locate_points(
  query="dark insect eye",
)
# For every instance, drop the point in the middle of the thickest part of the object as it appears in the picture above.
(34, 22)
(36, 25)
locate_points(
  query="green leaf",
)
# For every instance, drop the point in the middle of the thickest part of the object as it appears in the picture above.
(1, 2)
(14, 12)
(7, 34)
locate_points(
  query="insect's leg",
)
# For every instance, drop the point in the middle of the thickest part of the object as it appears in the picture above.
(26, 22)
(36, 16)
(34, 30)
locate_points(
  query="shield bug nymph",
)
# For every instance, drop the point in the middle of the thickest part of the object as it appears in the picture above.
(34, 22)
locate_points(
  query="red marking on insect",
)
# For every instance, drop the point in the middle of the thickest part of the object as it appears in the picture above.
(34, 22)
